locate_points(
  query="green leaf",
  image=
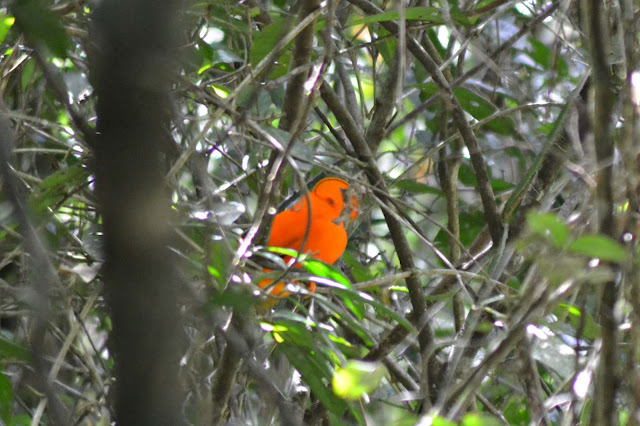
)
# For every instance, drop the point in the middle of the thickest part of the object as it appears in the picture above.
(57, 186)
(516, 412)
(293, 329)
(324, 270)
(263, 43)
(11, 350)
(474, 104)
(425, 14)
(214, 272)
(387, 45)
(316, 373)
(479, 420)
(542, 55)
(590, 328)
(21, 420)
(549, 226)
(354, 324)
(206, 51)
(6, 399)
(439, 421)
(38, 23)
(427, 90)
(480, 108)
(411, 185)
(467, 176)
(571, 310)
(219, 261)
(233, 298)
(215, 54)
(499, 185)
(285, 252)
(600, 247)
(471, 223)
(26, 74)
(358, 271)
(357, 378)
(391, 313)
(228, 20)
(440, 45)
(6, 22)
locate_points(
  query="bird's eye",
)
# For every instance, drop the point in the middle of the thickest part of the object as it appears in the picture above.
(331, 202)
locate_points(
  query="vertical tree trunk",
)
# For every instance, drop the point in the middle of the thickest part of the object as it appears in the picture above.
(132, 73)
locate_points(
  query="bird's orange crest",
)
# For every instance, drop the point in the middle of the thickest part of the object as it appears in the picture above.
(338, 194)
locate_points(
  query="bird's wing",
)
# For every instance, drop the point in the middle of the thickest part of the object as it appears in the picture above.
(289, 227)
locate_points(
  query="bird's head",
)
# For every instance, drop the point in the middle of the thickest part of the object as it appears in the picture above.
(338, 201)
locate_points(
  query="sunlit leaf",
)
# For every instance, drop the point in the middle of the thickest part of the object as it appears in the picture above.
(6, 22)
(324, 270)
(285, 252)
(357, 378)
(439, 421)
(473, 419)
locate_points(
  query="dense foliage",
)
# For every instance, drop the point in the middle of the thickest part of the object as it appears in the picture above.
(491, 275)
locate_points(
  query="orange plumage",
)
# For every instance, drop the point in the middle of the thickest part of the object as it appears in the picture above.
(326, 237)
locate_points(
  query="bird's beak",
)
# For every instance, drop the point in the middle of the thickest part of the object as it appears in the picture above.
(350, 209)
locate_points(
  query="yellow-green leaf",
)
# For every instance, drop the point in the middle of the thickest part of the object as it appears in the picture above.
(357, 378)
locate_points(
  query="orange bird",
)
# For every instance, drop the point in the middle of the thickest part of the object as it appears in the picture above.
(326, 237)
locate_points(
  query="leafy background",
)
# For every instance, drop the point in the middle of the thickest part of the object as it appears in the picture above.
(491, 275)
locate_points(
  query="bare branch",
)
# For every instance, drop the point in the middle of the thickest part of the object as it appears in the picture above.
(403, 250)
(603, 97)
(459, 119)
(44, 278)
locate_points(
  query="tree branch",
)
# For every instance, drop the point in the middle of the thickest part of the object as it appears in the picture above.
(301, 55)
(597, 40)
(385, 102)
(404, 252)
(459, 119)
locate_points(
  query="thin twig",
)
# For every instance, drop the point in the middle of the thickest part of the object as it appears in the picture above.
(45, 278)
